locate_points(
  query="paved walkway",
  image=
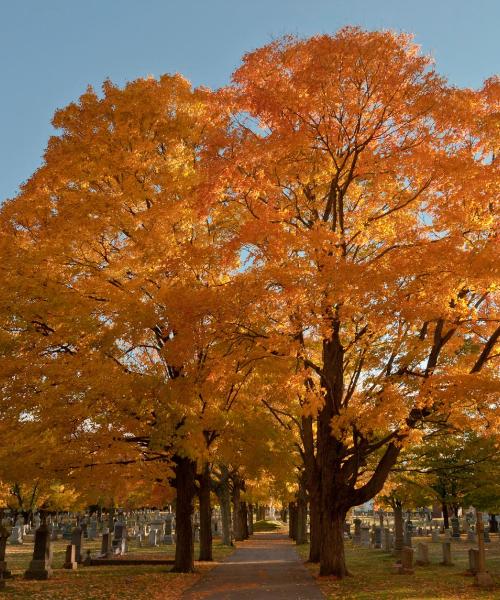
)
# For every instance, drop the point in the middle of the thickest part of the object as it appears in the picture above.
(265, 566)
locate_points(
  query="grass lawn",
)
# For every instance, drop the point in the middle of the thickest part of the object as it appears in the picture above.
(259, 526)
(147, 582)
(373, 577)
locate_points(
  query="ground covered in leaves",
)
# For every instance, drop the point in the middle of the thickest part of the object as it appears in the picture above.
(373, 577)
(148, 582)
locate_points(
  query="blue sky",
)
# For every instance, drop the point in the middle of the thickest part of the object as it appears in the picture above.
(51, 49)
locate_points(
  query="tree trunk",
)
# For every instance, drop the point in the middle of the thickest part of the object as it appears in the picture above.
(205, 515)
(244, 519)
(225, 511)
(185, 470)
(332, 544)
(446, 517)
(292, 528)
(250, 519)
(301, 522)
(398, 529)
(237, 523)
(315, 528)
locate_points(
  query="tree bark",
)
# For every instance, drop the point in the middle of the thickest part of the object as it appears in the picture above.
(315, 528)
(205, 515)
(446, 516)
(244, 519)
(301, 533)
(292, 527)
(237, 522)
(185, 471)
(332, 544)
(250, 519)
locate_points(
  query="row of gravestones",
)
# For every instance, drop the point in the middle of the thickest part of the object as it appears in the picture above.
(373, 537)
(40, 566)
(383, 538)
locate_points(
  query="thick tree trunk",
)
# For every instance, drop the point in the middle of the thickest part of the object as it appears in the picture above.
(250, 519)
(301, 522)
(225, 510)
(315, 528)
(205, 515)
(237, 523)
(332, 544)
(185, 471)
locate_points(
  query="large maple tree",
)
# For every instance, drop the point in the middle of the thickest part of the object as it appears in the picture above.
(365, 188)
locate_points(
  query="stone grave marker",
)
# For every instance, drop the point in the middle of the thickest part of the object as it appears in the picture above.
(473, 560)
(447, 554)
(70, 558)
(483, 578)
(106, 544)
(16, 535)
(77, 541)
(422, 554)
(405, 567)
(40, 566)
(365, 536)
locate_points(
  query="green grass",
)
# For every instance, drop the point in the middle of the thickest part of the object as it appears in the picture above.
(373, 577)
(148, 582)
(259, 526)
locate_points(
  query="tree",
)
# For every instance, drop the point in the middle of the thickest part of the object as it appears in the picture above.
(365, 190)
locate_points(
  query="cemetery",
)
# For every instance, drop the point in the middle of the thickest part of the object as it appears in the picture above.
(249, 309)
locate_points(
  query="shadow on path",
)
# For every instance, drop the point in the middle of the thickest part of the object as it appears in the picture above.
(265, 566)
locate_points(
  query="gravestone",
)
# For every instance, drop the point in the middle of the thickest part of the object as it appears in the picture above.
(119, 543)
(405, 567)
(486, 535)
(365, 537)
(387, 540)
(40, 566)
(106, 544)
(92, 530)
(455, 528)
(422, 554)
(70, 558)
(473, 560)
(4, 535)
(447, 554)
(471, 536)
(16, 536)
(153, 537)
(408, 533)
(483, 578)
(378, 537)
(447, 535)
(168, 538)
(77, 541)
(435, 536)
(347, 530)
(357, 531)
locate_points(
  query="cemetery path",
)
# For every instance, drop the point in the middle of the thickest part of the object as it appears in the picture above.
(265, 566)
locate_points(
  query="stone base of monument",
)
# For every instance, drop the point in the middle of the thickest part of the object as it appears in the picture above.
(484, 580)
(38, 569)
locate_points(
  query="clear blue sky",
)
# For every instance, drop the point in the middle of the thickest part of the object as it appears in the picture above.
(51, 49)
